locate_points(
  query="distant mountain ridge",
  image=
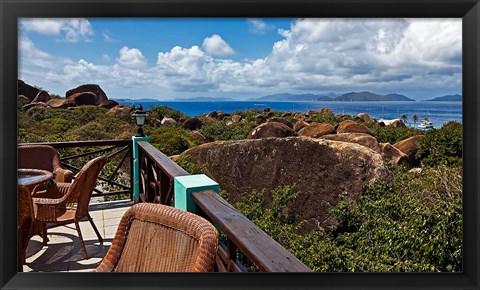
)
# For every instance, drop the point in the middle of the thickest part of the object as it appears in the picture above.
(448, 98)
(201, 99)
(332, 97)
(134, 100)
(285, 97)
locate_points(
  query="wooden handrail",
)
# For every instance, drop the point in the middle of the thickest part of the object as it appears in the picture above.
(267, 254)
(82, 143)
(168, 166)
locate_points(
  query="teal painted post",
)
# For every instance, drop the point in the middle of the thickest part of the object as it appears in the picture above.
(185, 185)
(136, 169)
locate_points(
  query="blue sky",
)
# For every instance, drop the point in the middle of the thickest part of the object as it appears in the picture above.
(242, 58)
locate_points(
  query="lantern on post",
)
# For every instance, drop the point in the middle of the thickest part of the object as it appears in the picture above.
(140, 117)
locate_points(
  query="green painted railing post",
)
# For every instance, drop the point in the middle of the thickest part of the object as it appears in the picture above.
(136, 168)
(184, 186)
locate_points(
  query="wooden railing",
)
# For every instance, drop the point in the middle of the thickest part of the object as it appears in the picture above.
(242, 236)
(116, 177)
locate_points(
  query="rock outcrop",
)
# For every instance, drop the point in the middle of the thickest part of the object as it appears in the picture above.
(410, 146)
(193, 123)
(299, 125)
(84, 99)
(316, 130)
(359, 138)
(326, 111)
(273, 129)
(100, 95)
(34, 94)
(321, 169)
(61, 103)
(280, 120)
(364, 117)
(348, 126)
(108, 104)
(198, 136)
(396, 156)
(398, 124)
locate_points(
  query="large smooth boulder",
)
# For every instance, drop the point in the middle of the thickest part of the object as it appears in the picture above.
(348, 126)
(299, 125)
(410, 146)
(364, 117)
(398, 124)
(84, 99)
(273, 129)
(212, 114)
(326, 111)
(61, 103)
(193, 123)
(108, 104)
(198, 136)
(396, 156)
(359, 138)
(316, 130)
(321, 169)
(32, 93)
(92, 88)
(280, 120)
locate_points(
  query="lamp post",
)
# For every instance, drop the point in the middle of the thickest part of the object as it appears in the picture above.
(140, 117)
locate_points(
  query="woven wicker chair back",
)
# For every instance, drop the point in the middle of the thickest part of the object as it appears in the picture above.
(82, 187)
(38, 157)
(159, 238)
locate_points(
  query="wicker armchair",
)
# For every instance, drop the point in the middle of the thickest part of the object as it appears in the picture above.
(72, 206)
(43, 157)
(159, 238)
(24, 224)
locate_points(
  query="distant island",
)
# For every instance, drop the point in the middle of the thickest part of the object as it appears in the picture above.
(448, 98)
(201, 99)
(134, 100)
(332, 97)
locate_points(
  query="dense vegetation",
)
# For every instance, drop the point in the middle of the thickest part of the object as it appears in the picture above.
(414, 226)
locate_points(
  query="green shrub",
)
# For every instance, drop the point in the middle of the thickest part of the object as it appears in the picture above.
(442, 146)
(392, 135)
(414, 227)
(171, 140)
(221, 131)
(190, 167)
(159, 112)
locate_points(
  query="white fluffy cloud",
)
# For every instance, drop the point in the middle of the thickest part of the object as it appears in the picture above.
(131, 58)
(215, 45)
(70, 30)
(258, 26)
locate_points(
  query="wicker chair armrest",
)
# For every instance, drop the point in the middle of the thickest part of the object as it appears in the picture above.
(63, 175)
(45, 209)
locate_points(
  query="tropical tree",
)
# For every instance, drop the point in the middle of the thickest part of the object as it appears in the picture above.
(404, 118)
(415, 119)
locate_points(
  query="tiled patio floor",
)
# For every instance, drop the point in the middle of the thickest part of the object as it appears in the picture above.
(63, 253)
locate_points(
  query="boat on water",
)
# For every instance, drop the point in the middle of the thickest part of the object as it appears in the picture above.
(425, 125)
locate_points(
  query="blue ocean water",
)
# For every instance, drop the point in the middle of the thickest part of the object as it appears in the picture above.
(438, 113)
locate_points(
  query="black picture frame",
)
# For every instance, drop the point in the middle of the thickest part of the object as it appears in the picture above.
(468, 10)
